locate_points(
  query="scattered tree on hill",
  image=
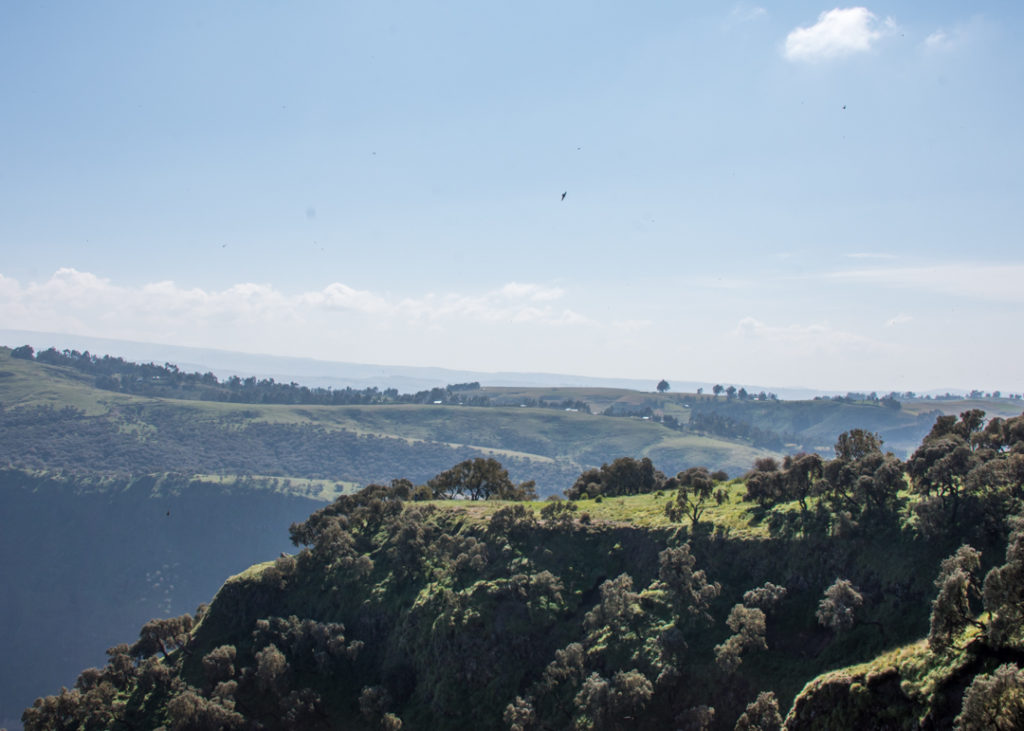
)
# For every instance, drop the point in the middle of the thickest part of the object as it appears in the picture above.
(511, 521)
(939, 467)
(190, 710)
(837, 609)
(697, 718)
(994, 701)
(624, 476)
(663, 386)
(857, 444)
(690, 590)
(375, 707)
(748, 626)
(958, 586)
(765, 483)
(761, 715)
(219, 665)
(1004, 591)
(765, 597)
(694, 489)
(800, 475)
(480, 479)
(861, 479)
(163, 636)
(519, 715)
(558, 512)
(604, 704)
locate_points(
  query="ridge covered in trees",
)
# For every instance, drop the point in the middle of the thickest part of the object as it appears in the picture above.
(149, 379)
(758, 420)
(711, 613)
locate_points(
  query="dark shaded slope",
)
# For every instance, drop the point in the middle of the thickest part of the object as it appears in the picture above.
(83, 570)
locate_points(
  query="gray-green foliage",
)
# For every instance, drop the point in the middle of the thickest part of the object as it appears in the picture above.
(765, 597)
(271, 669)
(219, 664)
(694, 488)
(690, 591)
(1004, 591)
(559, 512)
(994, 702)
(837, 608)
(761, 715)
(604, 704)
(696, 718)
(971, 465)
(748, 627)
(519, 714)
(623, 476)
(957, 585)
(190, 711)
(480, 479)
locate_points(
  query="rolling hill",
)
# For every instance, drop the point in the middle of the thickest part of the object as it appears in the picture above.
(107, 495)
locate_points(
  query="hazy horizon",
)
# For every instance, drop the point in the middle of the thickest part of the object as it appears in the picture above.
(314, 372)
(815, 196)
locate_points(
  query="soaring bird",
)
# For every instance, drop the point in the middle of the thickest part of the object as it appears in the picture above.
(563, 195)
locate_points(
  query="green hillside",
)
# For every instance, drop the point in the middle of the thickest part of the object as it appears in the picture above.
(701, 604)
(104, 416)
(97, 430)
(128, 479)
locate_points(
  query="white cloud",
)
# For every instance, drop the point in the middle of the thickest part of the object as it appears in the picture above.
(338, 296)
(535, 292)
(745, 13)
(900, 319)
(870, 255)
(804, 340)
(1000, 283)
(838, 32)
(74, 301)
(943, 40)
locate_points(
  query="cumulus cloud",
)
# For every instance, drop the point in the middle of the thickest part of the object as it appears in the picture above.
(996, 282)
(535, 292)
(74, 301)
(338, 296)
(838, 32)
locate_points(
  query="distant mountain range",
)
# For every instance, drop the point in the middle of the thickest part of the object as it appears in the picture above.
(336, 374)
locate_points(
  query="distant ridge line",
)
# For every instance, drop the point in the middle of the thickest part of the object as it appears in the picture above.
(341, 374)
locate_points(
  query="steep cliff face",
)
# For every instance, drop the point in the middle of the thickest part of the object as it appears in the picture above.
(83, 567)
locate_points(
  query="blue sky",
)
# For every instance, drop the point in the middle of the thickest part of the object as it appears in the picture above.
(796, 194)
